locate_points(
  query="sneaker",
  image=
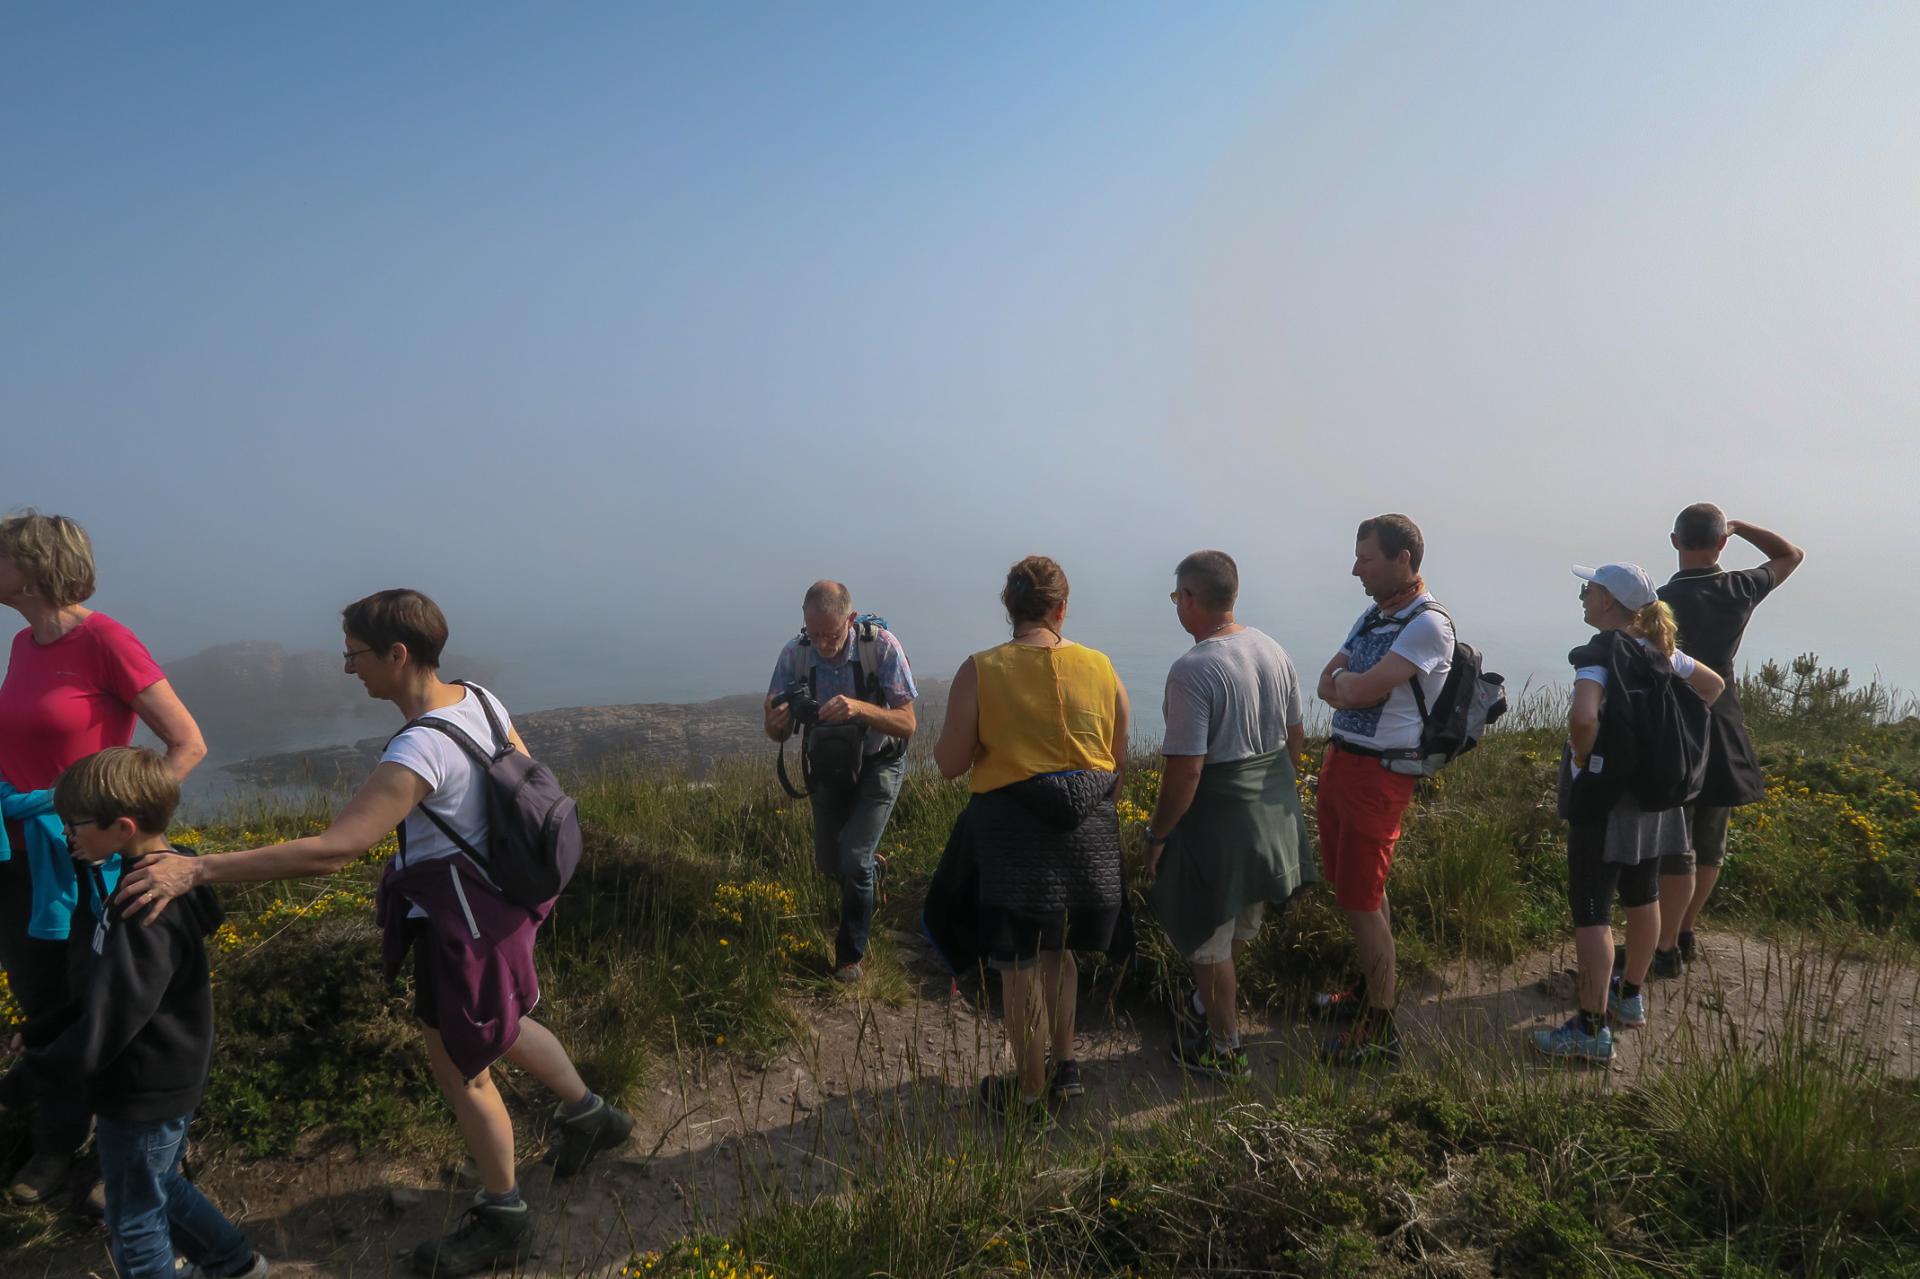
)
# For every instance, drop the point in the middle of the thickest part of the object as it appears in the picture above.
(40, 1179)
(1689, 948)
(1201, 1056)
(1667, 964)
(1572, 1042)
(1364, 1046)
(603, 1127)
(1064, 1082)
(256, 1269)
(1337, 1005)
(1001, 1095)
(488, 1236)
(849, 974)
(1628, 1014)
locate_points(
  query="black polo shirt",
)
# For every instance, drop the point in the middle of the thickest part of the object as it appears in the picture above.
(1713, 606)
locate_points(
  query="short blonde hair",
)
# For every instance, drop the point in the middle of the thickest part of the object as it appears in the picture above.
(54, 554)
(121, 781)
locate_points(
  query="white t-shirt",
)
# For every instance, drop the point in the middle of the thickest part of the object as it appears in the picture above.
(450, 774)
(1231, 697)
(1427, 642)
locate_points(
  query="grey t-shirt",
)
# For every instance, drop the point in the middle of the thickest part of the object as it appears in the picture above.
(1231, 697)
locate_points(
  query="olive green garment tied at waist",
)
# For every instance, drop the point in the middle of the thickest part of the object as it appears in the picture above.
(1244, 840)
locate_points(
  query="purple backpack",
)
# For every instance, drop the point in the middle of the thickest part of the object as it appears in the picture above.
(533, 827)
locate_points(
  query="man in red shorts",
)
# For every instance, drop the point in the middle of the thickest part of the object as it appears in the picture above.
(1403, 643)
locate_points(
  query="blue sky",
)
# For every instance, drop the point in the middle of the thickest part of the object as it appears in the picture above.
(612, 326)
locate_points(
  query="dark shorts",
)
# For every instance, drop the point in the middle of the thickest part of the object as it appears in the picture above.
(1015, 940)
(1709, 826)
(1592, 880)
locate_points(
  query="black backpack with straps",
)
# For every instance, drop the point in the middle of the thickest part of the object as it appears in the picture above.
(533, 826)
(1471, 698)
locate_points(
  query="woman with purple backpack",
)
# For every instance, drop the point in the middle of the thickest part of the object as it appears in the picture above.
(471, 939)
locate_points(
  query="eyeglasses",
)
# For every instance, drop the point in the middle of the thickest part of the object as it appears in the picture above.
(101, 822)
(1174, 595)
(352, 653)
(1584, 589)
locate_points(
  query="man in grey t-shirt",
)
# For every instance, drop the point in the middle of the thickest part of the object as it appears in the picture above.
(1233, 696)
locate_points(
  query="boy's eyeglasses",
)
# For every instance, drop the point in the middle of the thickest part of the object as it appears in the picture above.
(352, 653)
(101, 822)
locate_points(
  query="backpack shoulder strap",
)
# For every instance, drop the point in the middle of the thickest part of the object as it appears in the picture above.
(868, 638)
(1419, 693)
(502, 742)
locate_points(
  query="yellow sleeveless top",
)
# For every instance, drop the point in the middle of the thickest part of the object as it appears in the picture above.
(1042, 710)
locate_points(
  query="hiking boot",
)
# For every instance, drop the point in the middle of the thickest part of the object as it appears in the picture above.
(849, 974)
(1628, 1014)
(1001, 1095)
(602, 1127)
(1369, 1043)
(1201, 1056)
(488, 1236)
(1063, 1083)
(41, 1178)
(1689, 948)
(1572, 1042)
(256, 1269)
(1338, 1005)
(1667, 964)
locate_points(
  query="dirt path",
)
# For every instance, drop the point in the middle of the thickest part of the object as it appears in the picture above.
(872, 1082)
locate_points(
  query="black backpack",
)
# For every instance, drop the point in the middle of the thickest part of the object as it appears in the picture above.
(1654, 734)
(1470, 698)
(1671, 735)
(533, 826)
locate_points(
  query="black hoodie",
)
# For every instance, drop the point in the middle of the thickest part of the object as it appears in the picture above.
(141, 1029)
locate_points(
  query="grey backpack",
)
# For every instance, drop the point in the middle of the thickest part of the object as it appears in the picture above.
(533, 826)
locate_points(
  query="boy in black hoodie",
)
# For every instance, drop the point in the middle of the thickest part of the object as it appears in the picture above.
(141, 1036)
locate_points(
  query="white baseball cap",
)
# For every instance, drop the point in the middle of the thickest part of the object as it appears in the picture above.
(1627, 583)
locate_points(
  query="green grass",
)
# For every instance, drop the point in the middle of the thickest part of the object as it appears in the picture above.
(697, 929)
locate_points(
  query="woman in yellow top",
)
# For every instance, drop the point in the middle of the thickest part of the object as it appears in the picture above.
(1041, 722)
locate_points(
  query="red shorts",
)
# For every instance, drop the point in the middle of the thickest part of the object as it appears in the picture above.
(1359, 805)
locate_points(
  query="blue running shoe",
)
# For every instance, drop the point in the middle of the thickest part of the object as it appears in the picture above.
(1572, 1042)
(1628, 1014)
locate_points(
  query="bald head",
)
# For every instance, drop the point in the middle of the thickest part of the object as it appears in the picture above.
(827, 599)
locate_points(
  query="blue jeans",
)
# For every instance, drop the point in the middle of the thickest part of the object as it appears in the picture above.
(153, 1210)
(847, 826)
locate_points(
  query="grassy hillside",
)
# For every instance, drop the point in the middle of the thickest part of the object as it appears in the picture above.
(696, 925)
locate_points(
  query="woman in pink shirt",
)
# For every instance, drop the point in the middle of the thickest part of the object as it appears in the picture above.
(76, 681)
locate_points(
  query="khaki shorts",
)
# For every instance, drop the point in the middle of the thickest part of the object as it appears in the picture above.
(1243, 927)
(1708, 826)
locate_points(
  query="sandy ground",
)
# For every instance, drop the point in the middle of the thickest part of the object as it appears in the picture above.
(870, 1078)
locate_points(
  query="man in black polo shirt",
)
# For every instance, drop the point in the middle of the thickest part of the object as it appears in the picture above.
(1712, 606)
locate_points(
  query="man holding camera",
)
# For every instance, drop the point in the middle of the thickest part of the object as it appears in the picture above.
(845, 682)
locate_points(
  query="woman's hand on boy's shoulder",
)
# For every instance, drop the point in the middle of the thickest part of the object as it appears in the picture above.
(152, 883)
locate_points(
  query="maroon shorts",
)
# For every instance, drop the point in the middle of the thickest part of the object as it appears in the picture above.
(1359, 805)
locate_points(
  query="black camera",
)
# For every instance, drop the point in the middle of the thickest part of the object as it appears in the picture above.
(800, 702)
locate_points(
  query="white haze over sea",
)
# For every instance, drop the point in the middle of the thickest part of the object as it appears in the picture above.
(613, 326)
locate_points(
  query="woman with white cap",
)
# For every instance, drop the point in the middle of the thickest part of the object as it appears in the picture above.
(1613, 844)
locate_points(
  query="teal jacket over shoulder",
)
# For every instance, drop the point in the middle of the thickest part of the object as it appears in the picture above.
(1244, 840)
(55, 887)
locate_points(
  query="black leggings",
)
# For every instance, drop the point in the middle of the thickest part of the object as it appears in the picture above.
(37, 971)
(1592, 880)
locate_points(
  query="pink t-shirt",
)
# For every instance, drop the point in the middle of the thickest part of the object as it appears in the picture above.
(63, 701)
